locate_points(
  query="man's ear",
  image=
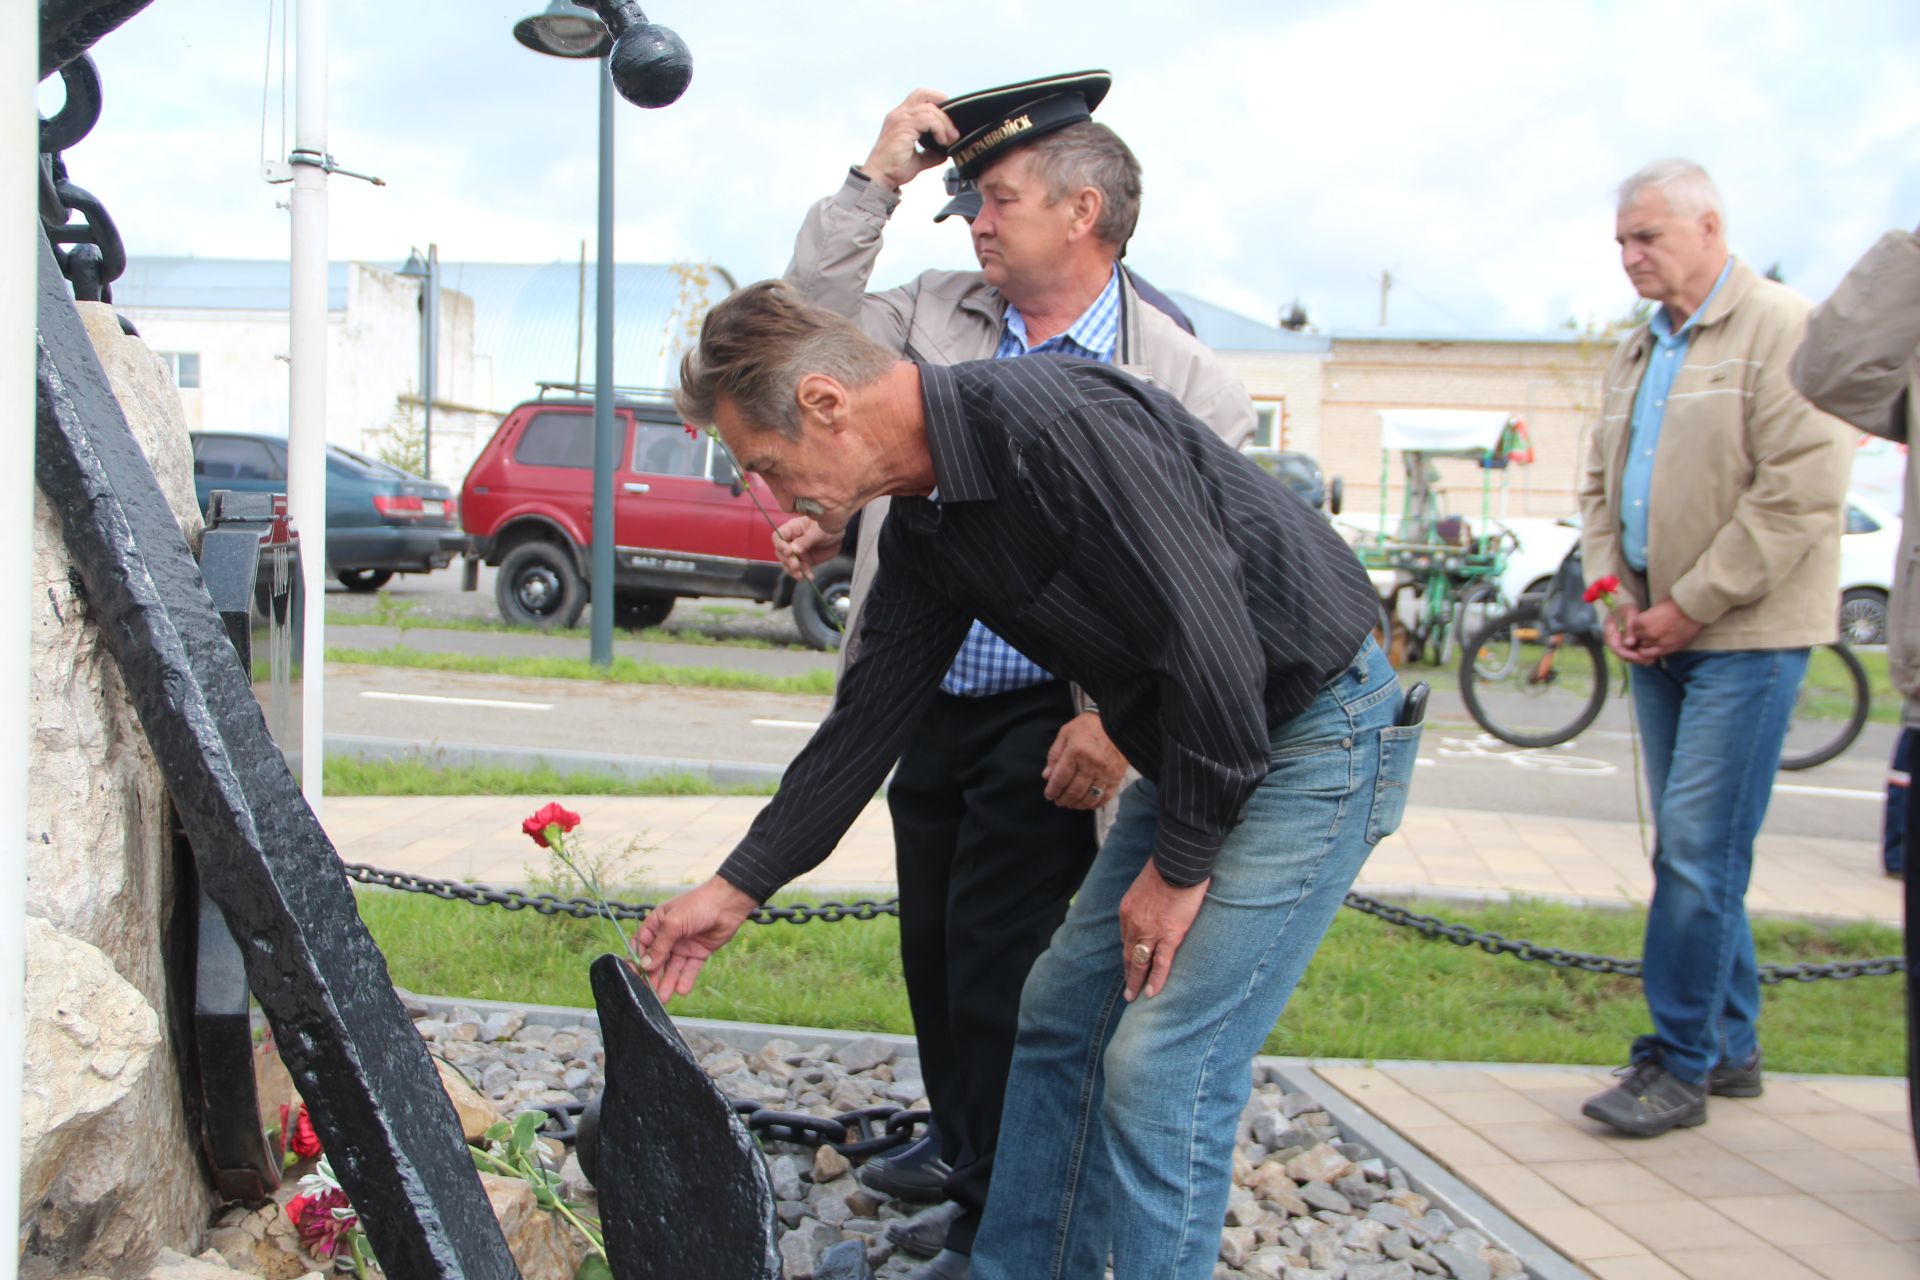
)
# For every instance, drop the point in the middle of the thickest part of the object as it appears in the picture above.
(1086, 204)
(1710, 225)
(822, 400)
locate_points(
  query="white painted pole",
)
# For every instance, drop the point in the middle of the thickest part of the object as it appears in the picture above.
(307, 381)
(19, 267)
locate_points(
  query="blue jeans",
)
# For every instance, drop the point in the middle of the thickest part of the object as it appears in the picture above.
(1712, 725)
(1120, 1119)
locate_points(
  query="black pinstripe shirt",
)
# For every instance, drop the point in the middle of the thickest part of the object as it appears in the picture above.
(1115, 540)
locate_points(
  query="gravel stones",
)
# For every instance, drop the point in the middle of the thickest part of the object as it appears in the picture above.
(1306, 1203)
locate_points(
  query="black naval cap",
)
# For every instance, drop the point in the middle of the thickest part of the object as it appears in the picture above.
(993, 122)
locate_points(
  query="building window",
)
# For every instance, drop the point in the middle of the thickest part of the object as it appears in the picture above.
(1269, 424)
(185, 368)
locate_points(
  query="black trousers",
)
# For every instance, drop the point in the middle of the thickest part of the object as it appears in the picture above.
(987, 866)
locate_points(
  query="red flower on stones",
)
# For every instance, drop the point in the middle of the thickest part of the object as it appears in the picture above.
(1601, 592)
(322, 1231)
(551, 815)
(297, 1125)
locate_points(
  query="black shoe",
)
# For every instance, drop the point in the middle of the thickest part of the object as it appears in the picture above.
(1736, 1080)
(925, 1234)
(915, 1172)
(1648, 1101)
(948, 1265)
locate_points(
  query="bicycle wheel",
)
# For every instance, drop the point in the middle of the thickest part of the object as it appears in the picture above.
(1530, 687)
(1830, 711)
(1477, 604)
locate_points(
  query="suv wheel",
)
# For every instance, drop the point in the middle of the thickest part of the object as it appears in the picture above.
(364, 579)
(820, 611)
(637, 612)
(539, 587)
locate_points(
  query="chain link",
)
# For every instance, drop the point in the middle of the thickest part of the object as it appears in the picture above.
(1430, 927)
(1436, 929)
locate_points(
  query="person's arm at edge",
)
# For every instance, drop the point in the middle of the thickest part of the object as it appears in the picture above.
(1802, 461)
(1858, 356)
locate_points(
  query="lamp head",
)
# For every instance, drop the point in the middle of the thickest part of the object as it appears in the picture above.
(564, 30)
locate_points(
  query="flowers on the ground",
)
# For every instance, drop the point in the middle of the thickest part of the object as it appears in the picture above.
(301, 1141)
(549, 825)
(325, 1220)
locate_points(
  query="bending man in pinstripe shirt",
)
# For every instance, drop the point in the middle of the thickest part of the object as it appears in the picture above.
(1224, 629)
(996, 796)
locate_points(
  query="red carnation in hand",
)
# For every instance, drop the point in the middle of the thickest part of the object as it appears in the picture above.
(551, 815)
(1602, 591)
(691, 430)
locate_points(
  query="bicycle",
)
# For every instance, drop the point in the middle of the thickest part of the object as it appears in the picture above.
(1537, 676)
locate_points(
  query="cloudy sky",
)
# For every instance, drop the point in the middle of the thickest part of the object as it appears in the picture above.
(1291, 149)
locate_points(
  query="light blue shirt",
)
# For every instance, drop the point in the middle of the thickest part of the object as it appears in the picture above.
(1649, 413)
(986, 664)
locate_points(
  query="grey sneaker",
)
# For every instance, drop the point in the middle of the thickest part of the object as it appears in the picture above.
(1736, 1080)
(1648, 1101)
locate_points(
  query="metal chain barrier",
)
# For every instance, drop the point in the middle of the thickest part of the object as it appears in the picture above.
(1432, 928)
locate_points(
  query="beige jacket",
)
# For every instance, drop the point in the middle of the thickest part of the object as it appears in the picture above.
(946, 317)
(1861, 362)
(1749, 480)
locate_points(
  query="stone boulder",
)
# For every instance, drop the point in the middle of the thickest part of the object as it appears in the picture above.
(543, 1243)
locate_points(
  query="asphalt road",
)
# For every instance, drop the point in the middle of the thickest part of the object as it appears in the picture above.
(1459, 767)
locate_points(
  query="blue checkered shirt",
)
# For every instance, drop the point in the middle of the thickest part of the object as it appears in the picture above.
(986, 664)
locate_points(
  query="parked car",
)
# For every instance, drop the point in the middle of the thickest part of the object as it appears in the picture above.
(685, 522)
(1868, 552)
(1301, 473)
(381, 520)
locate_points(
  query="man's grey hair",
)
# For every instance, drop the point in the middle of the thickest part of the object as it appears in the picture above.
(1688, 189)
(756, 346)
(1089, 154)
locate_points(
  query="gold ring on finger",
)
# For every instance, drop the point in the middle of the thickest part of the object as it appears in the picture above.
(1142, 953)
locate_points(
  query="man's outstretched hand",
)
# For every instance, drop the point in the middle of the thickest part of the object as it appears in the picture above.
(676, 939)
(802, 543)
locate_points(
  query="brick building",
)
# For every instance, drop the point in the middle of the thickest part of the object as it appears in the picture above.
(1320, 393)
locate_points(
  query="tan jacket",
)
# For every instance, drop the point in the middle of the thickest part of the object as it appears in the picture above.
(946, 317)
(1749, 480)
(1861, 362)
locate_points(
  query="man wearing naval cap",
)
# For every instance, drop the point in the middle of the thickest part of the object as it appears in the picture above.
(994, 800)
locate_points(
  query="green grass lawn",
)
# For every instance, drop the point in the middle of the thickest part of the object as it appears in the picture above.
(1374, 991)
(621, 671)
(347, 776)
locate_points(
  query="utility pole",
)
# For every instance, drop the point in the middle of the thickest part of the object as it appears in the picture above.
(1386, 283)
(307, 379)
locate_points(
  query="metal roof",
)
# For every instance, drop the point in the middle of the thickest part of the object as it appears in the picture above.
(525, 315)
(1225, 330)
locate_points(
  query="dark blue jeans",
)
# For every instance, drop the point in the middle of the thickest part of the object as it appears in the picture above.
(1711, 724)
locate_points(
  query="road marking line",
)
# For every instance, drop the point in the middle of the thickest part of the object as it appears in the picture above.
(458, 702)
(787, 724)
(1796, 789)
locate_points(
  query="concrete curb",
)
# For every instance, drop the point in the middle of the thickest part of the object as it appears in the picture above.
(1424, 1174)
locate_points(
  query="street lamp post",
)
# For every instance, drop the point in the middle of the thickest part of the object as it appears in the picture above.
(428, 273)
(653, 69)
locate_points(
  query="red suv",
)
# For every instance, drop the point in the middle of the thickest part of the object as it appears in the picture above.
(684, 523)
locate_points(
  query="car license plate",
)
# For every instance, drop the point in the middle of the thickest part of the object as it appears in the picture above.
(433, 506)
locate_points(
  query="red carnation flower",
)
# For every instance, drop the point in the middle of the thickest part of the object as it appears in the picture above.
(296, 1128)
(551, 815)
(1602, 591)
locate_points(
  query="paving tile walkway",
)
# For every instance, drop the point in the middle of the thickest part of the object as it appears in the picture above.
(1437, 852)
(1813, 1179)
